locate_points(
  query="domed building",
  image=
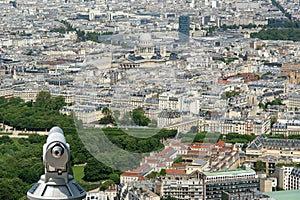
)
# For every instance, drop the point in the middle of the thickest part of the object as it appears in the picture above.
(145, 54)
(145, 48)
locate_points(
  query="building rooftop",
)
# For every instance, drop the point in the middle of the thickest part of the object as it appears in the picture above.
(283, 195)
(175, 171)
(229, 173)
(262, 142)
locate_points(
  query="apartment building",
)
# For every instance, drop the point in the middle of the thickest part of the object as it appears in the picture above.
(293, 102)
(246, 126)
(68, 95)
(128, 177)
(6, 91)
(209, 185)
(136, 174)
(286, 127)
(275, 147)
(272, 151)
(233, 182)
(293, 72)
(181, 186)
(166, 118)
(185, 125)
(294, 179)
(283, 179)
(86, 113)
(139, 190)
(27, 94)
(168, 101)
(240, 126)
(142, 194)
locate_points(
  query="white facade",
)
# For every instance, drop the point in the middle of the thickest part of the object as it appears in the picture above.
(294, 179)
(96, 196)
(284, 175)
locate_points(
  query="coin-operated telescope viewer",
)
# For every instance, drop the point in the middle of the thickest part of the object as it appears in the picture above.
(56, 183)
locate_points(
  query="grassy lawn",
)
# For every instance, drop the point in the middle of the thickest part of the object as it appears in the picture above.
(141, 132)
(135, 132)
(78, 172)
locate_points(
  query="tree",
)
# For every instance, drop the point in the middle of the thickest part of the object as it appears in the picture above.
(139, 118)
(194, 129)
(261, 105)
(200, 137)
(95, 171)
(107, 120)
(15, 101)
(35, 138)
(152, 175)
(56, 103)
(273, 120)
(30, 175)
(43, 99)
(163, 172)
(5, 139)
(115, 177)
(29, 53)
(277, 188)
(106, 111)
(276, 102)
(13, 3)
(260, 166)
(178, 159)
(11, 189)
(106, 184)
(229, 94)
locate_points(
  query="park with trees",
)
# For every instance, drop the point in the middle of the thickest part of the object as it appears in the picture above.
(20, 161)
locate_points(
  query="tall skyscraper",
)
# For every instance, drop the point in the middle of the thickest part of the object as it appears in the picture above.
(184, 29)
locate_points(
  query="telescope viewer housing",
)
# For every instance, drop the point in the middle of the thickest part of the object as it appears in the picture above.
(56, 183)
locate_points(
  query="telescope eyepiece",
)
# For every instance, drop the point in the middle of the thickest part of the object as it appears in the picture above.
(57, 151)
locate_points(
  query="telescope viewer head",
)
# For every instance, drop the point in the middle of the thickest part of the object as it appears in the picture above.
(56, 154)
(56, 183)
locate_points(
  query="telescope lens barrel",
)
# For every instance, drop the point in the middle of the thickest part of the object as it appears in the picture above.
(57, 151)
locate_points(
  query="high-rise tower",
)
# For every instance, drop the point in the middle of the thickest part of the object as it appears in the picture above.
(184, 29)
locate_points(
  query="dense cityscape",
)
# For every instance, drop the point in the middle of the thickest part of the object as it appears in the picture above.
(181, 99)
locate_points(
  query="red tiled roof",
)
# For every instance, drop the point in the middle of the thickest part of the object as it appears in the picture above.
(151, 160)
(141, 168)
(199, 147)
(165, 151)
(175, 171)
(179, 165)
(130, 174)
(220, 143)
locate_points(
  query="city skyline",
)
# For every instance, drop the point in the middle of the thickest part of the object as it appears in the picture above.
(209, 89)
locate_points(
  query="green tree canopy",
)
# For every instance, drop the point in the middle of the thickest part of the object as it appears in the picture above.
(95, 170)
(139, 118)
(42, 99)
